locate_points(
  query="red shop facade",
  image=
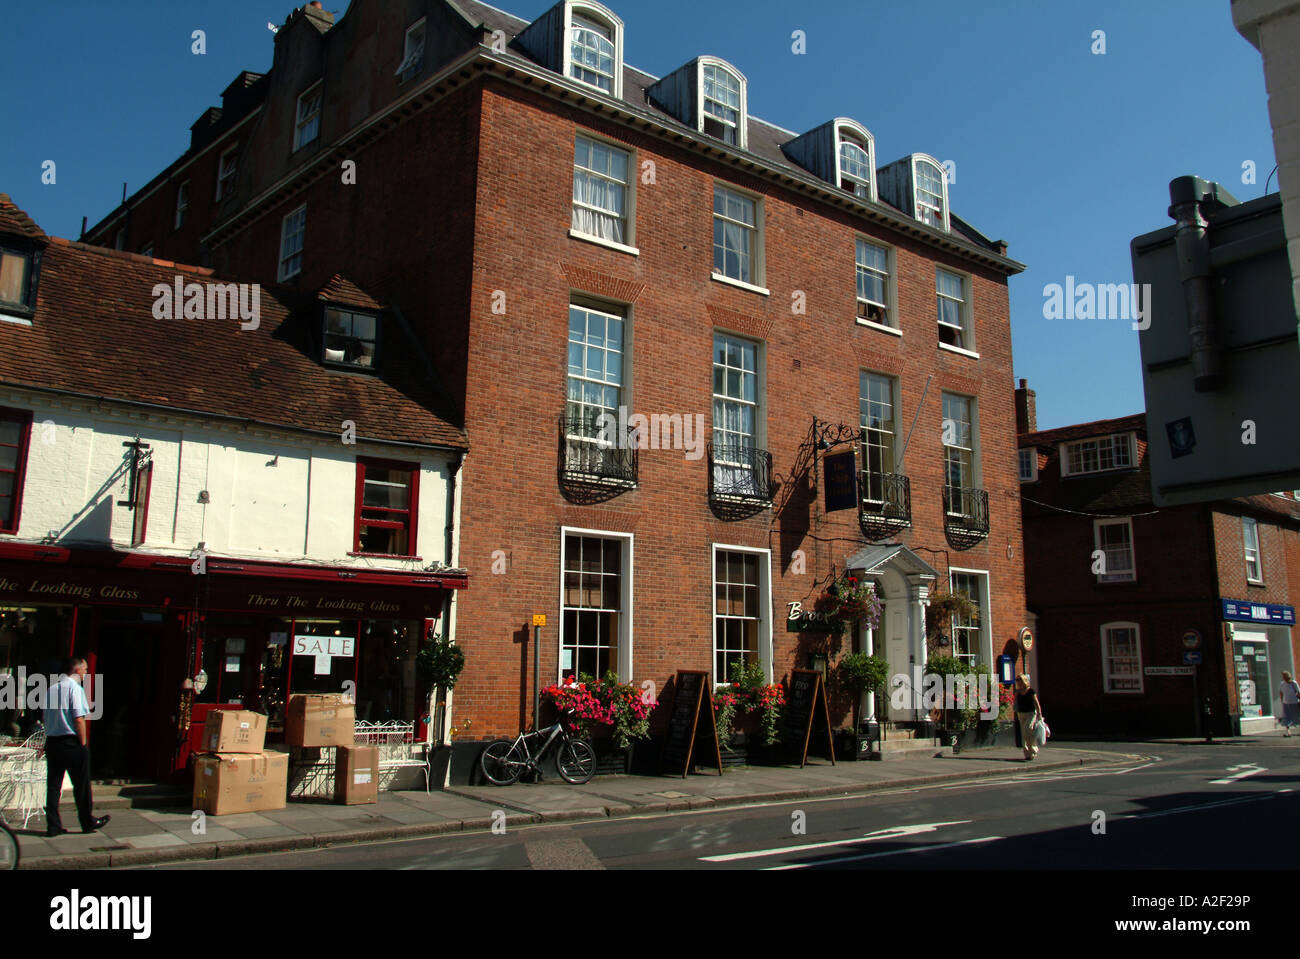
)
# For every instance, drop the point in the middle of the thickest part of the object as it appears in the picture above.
(167, 639)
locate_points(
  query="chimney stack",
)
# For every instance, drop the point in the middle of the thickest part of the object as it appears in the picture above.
(1026, 409)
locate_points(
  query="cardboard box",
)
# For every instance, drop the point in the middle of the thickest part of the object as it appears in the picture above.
(240, 782)
(234, 731)
(320, 719)
(356, 775)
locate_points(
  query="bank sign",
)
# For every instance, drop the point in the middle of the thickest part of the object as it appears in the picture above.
(1244, 612)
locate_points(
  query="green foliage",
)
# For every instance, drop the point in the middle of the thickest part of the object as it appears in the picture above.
(440, 662)
(862, 673)
(749, 691)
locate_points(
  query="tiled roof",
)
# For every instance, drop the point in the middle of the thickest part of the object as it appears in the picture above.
(762, 138)
(94, 333)
(1125, 424)
(339, 289)
(14, 220)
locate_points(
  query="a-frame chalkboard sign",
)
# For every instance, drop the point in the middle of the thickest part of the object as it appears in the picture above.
(805, 704)
(691, 723)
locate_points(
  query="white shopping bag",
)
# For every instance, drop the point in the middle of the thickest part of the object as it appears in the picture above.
(1041, 732)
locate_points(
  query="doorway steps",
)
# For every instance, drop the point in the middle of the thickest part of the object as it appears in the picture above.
(907, 741)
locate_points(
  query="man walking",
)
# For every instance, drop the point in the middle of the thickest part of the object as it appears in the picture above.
(67, 749)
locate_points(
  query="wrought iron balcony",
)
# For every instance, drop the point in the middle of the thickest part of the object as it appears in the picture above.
(739, 474)
(886, 505)
(590, 456)
(965, 515)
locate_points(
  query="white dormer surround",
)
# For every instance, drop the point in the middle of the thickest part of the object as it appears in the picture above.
(721, 108)
(917, 185)
(855, 159)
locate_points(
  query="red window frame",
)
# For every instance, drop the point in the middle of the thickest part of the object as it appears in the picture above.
(9, 524)
(410, 513)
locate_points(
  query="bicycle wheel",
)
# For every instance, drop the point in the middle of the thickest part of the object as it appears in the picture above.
(576, 762)
(8, 849)
(501, 762)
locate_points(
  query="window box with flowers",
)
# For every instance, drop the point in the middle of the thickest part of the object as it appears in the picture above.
(747, 712)
(613, 716)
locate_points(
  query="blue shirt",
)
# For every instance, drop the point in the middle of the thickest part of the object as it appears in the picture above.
(67, 701)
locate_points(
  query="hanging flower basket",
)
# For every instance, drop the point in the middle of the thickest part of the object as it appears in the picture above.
(847, 602)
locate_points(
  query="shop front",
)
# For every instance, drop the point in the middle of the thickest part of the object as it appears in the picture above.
(1260, 638)
(165, 645)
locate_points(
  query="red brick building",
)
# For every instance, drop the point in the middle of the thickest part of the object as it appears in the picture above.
(571, 236)
(1124, 592)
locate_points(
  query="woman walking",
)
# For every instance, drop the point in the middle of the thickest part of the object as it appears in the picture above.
(1290, 693)
(1029, 711)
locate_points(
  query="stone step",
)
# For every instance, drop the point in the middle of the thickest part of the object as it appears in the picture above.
(912, 749)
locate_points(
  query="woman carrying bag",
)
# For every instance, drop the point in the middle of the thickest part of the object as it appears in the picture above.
(1290, 694)
(1030, 713)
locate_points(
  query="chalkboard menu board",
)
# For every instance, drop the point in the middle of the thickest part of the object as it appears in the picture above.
(805, 708)
(691, 721)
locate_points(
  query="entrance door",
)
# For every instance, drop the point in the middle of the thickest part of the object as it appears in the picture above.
(1251, 673)
(137, 687)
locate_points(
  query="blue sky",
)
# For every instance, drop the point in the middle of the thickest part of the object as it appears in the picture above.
(1064, 153)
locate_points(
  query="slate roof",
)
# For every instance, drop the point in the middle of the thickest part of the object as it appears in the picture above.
(764, 139)
(1124, 424)
(93, 333)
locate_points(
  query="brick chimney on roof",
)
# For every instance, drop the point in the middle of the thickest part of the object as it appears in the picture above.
(1026, 409)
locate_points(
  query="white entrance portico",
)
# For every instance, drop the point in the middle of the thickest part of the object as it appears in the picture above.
(903, 581)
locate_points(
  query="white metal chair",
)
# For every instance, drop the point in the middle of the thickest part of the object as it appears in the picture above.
(22, 781)
(394, 740)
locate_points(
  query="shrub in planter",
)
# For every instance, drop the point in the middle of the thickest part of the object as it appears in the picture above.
(438, 665)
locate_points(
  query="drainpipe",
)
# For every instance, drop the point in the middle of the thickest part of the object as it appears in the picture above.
(1187, 195)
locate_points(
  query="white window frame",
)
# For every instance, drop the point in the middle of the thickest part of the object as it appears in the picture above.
(759, 436)
(626, 598)
(1106, 659)
(623, 386)
(629, 195)
(917, 204)
(976, 475)
(764, 606)
(1115, 439)
(864, 377)
(984, 601)
(890, 306)
(311, 121)
(742, 121)
(601, 16)
(1030, 454)
(225, 180)
(297, 254)
(182, 204)
(1130, 575)
(966, 315)
(1249, 523)
(413, 55)
(860, 135)
(757, 258)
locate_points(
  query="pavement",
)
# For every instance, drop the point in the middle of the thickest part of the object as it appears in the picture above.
(144, 836)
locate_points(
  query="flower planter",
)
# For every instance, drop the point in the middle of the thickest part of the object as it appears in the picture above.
(985, 734)
(850, 747)
(610, 760)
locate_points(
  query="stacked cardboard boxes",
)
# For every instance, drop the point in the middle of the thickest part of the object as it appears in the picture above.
(320, 719)
(320, 728)
(235, 775)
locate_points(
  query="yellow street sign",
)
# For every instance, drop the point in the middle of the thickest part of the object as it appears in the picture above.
(539, 619)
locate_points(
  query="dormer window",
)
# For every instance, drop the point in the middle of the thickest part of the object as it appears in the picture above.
(1114, 452)
(722, 103)
(15, 279)
(413, 53)
(307, 128)
(930, 193)
(226, 168)
(350, 338)
(182, 204)
(593, 47)
(856, 164)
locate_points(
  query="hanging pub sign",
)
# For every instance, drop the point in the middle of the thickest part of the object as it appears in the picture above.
(691, 722)
(841, 481)
(805, 710)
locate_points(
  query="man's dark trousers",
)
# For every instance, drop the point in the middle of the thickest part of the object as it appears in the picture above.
(66, 754)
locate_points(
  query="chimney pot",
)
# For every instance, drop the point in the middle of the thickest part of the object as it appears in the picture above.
(1026, 409)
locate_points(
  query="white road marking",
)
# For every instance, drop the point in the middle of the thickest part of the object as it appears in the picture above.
(879, 855)
(1212, 805)
(1246, 769)
(893, 832)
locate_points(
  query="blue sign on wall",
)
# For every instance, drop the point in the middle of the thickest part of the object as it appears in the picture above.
(1006, 670)
(1245, 612)
(1192, 657)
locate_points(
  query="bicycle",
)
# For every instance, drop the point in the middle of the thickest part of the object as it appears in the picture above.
(505, 760)
(8, 849)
